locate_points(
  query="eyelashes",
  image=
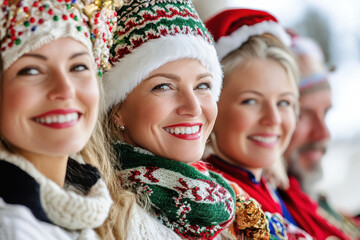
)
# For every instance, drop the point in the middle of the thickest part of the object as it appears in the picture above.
(28, 71)
(169, 86)
(79, 68)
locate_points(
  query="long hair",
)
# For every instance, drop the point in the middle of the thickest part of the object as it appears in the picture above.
(116, 225)
(100, 150)
(97, 153)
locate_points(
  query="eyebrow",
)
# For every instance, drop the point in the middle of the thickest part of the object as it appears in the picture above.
(176, 77)
(260, 94)
(42, 57)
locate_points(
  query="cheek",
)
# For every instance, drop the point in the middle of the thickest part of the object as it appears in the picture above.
(231, 123)
(17, 106)
(90, 92)
(301, 131)
(89, 95)
(289, 124)
(239, 120)
(140, 117)
(210, 110)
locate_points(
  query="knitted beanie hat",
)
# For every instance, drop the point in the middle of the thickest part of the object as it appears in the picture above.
(26, 25)
(151, 33)
(232, 27)
(314, 73)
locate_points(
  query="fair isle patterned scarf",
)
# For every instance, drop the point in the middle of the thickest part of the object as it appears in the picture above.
(185, 200)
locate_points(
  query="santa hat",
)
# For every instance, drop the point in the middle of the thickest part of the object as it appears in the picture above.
(232, 27)
(314, 73)
(29, 24)
(151, 33)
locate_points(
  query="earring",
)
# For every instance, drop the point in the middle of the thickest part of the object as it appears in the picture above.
(122, 128)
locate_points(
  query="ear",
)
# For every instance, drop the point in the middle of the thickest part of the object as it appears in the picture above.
(118, 118)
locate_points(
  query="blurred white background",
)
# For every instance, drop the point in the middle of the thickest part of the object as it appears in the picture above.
(336, 26)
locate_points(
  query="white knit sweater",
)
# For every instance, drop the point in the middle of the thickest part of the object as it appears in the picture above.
(142, 225)
(72, 214)
(17, 222)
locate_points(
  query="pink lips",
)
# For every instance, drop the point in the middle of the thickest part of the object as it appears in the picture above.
(73, 117)
(192, 136)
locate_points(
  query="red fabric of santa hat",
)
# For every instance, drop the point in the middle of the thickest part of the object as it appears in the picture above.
(232, 27)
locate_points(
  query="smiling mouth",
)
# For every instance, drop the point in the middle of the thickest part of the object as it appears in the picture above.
(183, 130)
(266, 140)
(59, 118)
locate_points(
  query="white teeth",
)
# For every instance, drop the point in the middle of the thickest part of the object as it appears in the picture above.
(265, 139)
(54, 119)
(183, 130)
(61, 118)
(48, 120)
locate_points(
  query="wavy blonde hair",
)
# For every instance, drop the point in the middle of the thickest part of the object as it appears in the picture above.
(97, 152)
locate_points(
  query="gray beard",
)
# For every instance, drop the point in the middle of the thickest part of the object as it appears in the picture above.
(306, 178)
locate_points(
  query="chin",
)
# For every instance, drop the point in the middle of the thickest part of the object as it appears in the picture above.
(67, 148)
(187, 158)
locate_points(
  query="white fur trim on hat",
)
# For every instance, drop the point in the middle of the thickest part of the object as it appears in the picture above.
(129, 72)
(226, 44)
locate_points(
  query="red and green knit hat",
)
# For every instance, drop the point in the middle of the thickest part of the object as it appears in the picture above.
(26, 25)
(151, 33)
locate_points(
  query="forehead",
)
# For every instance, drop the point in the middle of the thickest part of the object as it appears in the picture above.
(266, 74)
(316, 99)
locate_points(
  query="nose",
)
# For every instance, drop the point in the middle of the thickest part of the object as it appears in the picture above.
(189, 104)
(61, 86)
(270, 115)
(320, 131)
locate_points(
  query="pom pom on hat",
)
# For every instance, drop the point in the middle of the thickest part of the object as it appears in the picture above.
(151, 33)
(232, 27)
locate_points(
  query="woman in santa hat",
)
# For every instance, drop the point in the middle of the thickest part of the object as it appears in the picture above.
(258, 108)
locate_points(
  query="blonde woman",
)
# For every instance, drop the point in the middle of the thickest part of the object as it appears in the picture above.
(257, 108)
(51, 55)
(161, 98)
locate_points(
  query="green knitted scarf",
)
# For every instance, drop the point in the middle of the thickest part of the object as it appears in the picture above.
(190, 203)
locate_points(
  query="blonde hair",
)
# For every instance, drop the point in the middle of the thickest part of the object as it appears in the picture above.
(97, 152)
(264, 46)
(115, 227)
(125, 200)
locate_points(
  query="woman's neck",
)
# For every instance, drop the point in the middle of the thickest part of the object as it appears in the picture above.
(53, 167)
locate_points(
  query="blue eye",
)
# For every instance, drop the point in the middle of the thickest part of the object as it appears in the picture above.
(204, 86)
(162, 87)
(28, 71)
(249, 101)
(79, 68)
(283, 103)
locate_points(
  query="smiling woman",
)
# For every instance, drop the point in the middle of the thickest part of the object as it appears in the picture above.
(179, 111)
(48, 111)
(62, 73)
(161, 101)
